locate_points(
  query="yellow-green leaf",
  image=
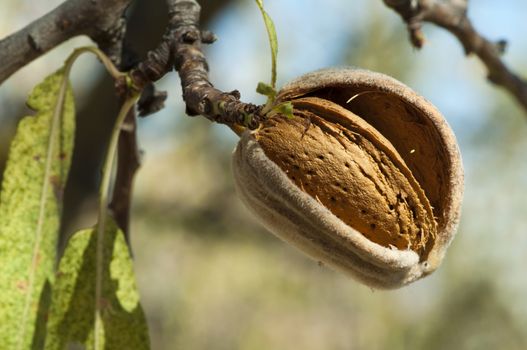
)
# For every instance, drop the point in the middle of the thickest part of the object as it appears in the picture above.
(266, 90)
(95, 300)
(30, 205)
(273, 40)
(72, 315)
(284, 108)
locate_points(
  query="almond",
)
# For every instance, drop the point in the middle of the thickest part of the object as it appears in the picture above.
(350, 168)
(366, 177)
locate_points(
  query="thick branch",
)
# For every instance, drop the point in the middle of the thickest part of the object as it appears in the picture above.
(100, 20)
(452, 16)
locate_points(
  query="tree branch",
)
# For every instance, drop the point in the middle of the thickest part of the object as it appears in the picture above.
(181, 48)
(452, 16)
(104, 23)
(100, 20)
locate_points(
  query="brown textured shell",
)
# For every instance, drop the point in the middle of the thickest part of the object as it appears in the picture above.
(350, 168)
(417, 134)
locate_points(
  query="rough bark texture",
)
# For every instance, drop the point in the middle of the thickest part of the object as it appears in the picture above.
(101, 22)
(181, 47)
(104, 22)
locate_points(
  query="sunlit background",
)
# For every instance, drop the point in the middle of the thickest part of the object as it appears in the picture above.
(212, 278)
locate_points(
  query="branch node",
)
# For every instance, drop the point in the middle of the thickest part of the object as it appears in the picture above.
(208, 37)
(151, 101)
(33, 43)
(190, 36)
(501, 46)
(235, 93)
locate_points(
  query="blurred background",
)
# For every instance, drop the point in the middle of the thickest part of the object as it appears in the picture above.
(210, 276)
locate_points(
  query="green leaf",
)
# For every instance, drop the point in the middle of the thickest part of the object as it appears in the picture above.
(273, 40)
(95, 300)
(286, 109)
(72, 317)
(30, 205)
(266, 90)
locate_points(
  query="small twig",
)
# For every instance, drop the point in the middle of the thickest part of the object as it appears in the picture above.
(199, 94)
(181, 48)
(452, 16)
(151, 101)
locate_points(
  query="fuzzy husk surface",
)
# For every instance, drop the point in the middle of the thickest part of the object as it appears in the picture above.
(307, 200)
(299, 219)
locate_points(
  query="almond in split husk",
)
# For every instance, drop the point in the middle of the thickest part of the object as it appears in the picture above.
(366, 177)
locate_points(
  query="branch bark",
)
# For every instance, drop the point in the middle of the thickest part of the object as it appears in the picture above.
(181, 48)
(104, 23)
(452, 16)
(100, 20)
